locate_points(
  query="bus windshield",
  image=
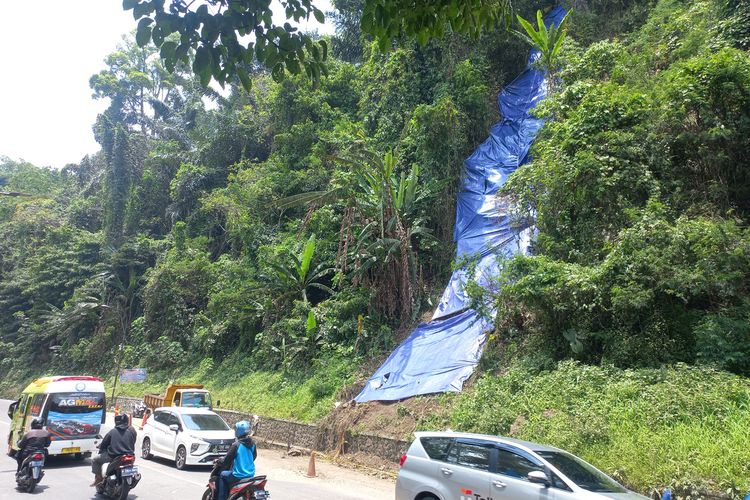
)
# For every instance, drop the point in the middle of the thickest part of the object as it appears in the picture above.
(75, 415)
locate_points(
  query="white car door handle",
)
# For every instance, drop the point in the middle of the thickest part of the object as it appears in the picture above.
(499, 484)
(446, 471)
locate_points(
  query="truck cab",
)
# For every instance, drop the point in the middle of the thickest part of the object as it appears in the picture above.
(196, 398)
(187, 395)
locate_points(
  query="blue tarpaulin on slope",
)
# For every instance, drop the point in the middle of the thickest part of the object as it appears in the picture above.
(440, 355)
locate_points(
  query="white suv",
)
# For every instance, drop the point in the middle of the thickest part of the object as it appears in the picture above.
(189, 436)
(461, 466)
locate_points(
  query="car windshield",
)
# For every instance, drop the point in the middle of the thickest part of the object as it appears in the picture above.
(581, 473)
(202, 422)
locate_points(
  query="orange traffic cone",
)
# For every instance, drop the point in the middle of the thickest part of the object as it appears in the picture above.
(117, 410)
(145, 417)
(311, 466)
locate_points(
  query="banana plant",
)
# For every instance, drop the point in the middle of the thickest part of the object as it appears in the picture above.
(379, 239)
(295, 277)
(547, 41)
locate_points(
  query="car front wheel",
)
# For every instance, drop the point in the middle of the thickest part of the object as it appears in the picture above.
(180, 459)
(146, 449)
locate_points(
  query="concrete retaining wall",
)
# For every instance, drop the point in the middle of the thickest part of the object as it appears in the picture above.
(305, 436)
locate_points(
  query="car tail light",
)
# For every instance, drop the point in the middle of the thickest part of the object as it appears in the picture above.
(37, 456)
(402, 460)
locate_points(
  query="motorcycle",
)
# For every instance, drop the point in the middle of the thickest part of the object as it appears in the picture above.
(121, 477)
(139, 409)
(31, 472)
(252, 488)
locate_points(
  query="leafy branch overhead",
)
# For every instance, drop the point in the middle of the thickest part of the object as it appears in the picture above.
(389, 19)
(224, 38)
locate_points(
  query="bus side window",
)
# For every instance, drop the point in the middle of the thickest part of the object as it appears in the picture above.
(20, 416)
(23, 407)
(37, 404)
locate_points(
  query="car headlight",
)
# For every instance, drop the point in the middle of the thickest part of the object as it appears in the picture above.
(194, 447)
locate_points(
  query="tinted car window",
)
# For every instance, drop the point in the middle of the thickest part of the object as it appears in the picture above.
(470, 455)
(171, 419)
(514, 465)
(160, 417)
(559, 483)
(436, 447)
(581, 473)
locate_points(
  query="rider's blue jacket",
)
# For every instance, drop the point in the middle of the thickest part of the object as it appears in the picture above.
(240, 458)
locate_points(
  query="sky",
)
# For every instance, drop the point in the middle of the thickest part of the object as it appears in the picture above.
(48, 50)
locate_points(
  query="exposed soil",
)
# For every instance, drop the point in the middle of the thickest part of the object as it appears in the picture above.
(398, 419)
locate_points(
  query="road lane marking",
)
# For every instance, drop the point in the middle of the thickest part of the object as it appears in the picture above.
(160, 470)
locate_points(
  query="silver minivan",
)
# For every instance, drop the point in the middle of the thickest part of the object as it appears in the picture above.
(461, 466)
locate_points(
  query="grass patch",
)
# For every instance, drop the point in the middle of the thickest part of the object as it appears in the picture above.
(682, 427)
(304, 396)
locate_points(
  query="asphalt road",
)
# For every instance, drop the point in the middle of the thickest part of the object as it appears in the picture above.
(68, 479)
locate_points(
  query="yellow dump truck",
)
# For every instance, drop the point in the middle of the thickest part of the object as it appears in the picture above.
(193, 395)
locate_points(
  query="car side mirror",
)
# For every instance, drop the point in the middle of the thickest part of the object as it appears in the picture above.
(174, 428)
(538, 477)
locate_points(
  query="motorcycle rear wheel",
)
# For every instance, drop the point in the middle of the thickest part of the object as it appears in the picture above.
(124, 490)
(207, 495)
(30, 487)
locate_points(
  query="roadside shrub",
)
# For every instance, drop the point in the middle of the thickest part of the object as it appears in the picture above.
(723, 340)
(651, 428)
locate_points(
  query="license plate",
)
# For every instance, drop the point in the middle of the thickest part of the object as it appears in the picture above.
(71, 450)
(37, 463)
(128, 471)
(260, 495)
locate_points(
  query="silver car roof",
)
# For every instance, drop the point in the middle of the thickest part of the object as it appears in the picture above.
(527, 445)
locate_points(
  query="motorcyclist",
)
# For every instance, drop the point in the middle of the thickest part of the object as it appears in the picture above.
(239, 462)
(37, 439)
(119, 441)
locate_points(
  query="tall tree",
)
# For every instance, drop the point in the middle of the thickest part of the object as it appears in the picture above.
(117, 188)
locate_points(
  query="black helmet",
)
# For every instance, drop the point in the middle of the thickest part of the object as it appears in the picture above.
(122, 419)
(36, 424)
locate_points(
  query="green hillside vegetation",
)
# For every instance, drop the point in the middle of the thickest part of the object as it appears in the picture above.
(680, 427)
(275, 243)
